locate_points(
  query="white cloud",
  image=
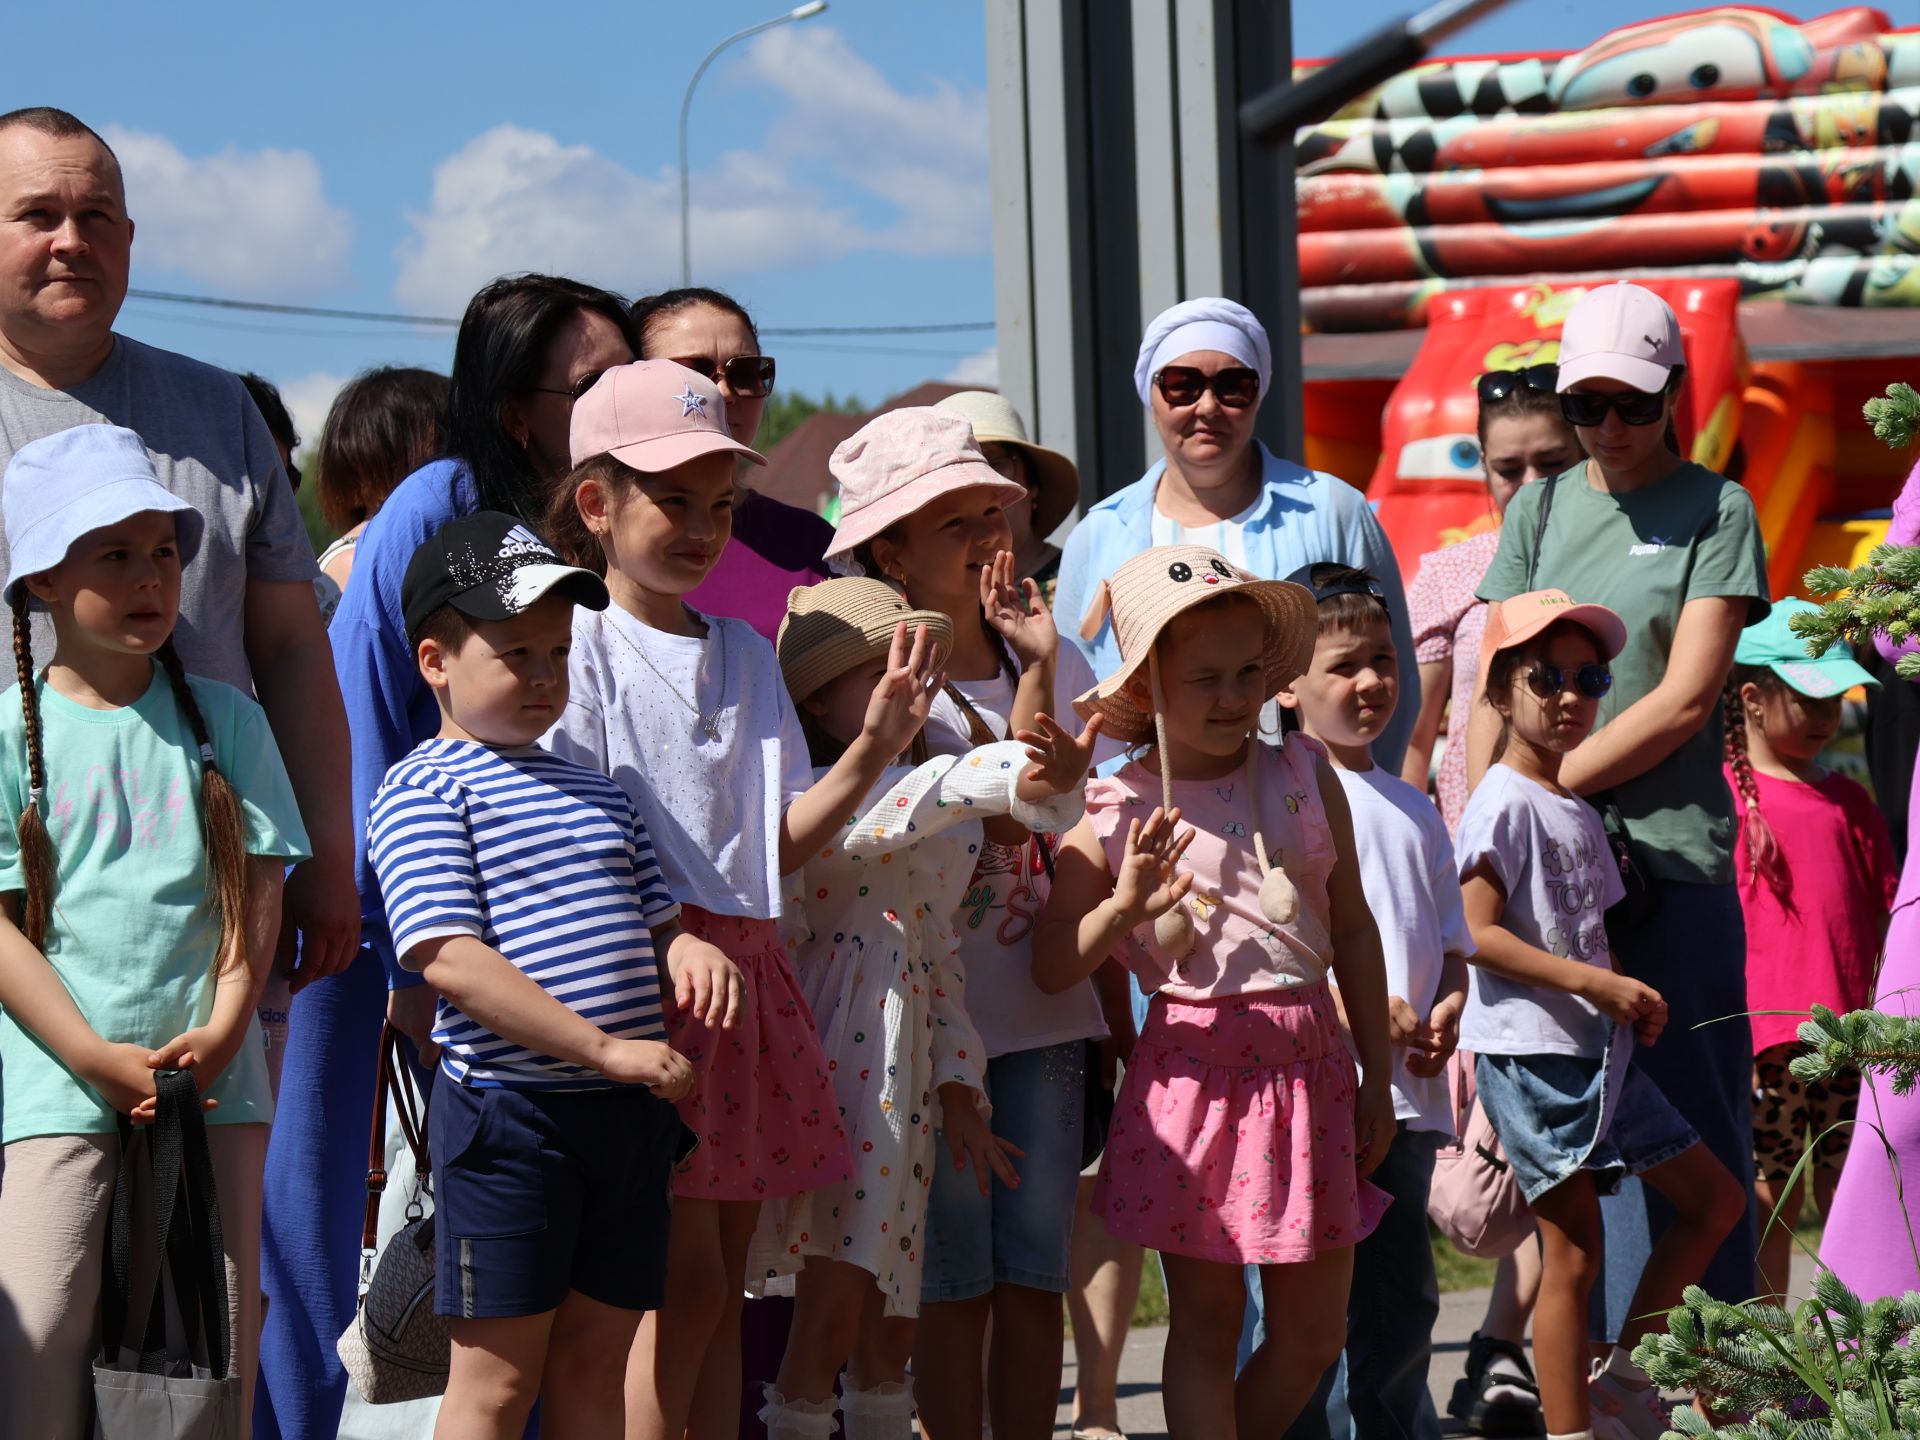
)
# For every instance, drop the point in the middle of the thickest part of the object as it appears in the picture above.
(980, 371)
(308, 400)
(254, 223)
(851, 164)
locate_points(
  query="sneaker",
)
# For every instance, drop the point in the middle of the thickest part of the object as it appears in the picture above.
(1499, 1403)
(1621, 1412)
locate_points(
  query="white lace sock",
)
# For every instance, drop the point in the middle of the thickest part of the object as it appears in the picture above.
(795, 1419)
(883, 1413)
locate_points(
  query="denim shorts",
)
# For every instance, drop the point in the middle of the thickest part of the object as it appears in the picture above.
(540, 1192)
(1020, 1236)
(1559, 1114)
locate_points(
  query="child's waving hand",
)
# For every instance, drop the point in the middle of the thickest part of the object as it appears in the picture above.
(1150, 882)
(1015, 609)
(1060, 759)
(901, 700)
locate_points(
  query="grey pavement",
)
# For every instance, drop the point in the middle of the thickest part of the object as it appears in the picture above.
(1142, 1418)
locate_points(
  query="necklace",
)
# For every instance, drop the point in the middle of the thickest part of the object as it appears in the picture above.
(708, 723)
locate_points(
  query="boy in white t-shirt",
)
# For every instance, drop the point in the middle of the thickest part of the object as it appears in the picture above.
(1345, 700)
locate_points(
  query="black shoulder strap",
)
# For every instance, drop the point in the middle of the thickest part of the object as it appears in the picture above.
(1540, 527)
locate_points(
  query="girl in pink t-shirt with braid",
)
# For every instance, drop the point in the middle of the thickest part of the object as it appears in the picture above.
(1815, 868)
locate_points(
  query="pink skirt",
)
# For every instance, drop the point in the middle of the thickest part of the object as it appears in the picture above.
(1232, 1135)
(762, 1104)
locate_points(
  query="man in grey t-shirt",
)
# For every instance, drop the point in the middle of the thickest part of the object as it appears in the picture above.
(247, 613)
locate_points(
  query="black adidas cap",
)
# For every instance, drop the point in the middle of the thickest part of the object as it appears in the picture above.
(489, 566)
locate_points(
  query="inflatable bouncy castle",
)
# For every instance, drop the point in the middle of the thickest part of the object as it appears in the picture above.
(1760, 172)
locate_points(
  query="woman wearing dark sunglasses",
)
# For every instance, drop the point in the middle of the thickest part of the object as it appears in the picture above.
(1203, 369)
(1676, 550)
(775, 546)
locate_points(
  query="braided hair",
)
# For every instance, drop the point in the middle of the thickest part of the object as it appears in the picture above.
(1762, 849)
(221, 825)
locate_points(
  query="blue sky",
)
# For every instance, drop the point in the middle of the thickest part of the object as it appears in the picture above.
(392, 156)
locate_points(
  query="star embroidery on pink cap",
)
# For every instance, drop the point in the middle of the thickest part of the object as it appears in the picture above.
(690, 402)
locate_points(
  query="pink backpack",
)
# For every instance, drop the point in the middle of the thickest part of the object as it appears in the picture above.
(1475, 1200)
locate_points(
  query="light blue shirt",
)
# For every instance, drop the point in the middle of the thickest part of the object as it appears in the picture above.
(1303, 517)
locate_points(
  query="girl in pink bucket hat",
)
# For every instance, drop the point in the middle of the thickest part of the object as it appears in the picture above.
(923, 510)
(1221, 871)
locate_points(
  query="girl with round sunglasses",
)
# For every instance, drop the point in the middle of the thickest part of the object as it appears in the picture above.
(1557, 1026)
(1675, 549)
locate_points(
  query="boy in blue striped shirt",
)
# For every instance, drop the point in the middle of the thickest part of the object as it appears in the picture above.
(524, 887)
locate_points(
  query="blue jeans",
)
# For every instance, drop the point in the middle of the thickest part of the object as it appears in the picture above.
(1694, 952)
(1378, 1389)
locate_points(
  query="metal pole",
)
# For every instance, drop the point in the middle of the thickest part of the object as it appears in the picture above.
(803, 12)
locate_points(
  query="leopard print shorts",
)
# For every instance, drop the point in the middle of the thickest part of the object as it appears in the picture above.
(1788, 1114)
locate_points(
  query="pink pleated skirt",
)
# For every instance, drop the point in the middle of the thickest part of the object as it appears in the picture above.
(762, 1104)
(1232, 1136)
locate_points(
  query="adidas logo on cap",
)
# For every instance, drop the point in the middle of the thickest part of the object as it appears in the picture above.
(522, 541)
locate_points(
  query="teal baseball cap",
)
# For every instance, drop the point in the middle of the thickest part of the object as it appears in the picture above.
(1771, 644)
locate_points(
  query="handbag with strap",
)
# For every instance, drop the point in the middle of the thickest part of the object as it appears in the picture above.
(397, 1348)
(150, 1390)
(1475, 1201)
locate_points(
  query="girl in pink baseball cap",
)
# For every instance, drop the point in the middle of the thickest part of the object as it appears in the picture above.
(690, 714)
(923, 510)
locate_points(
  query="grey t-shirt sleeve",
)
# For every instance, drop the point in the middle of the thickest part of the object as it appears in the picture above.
(277, 544)
(1730, 558)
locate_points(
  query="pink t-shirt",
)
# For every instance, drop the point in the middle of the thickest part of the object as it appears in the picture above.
(1448, 623)
(1817, 944)
(1238, 951)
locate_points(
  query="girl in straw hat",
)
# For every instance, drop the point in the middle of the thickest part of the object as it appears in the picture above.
(877, 957)
(1241, 1135)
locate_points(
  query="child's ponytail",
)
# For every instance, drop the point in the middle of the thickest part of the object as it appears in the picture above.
(1762, 849)
(36, 846)
(221, 825)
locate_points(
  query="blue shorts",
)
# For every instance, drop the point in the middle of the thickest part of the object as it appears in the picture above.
(1560, 1114)
(539, 1192)
(1021, 1236)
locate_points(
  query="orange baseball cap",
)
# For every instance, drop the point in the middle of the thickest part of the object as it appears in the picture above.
(1525, 616)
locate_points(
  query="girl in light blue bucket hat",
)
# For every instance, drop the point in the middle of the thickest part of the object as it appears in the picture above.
(145, 823)
(1817, 877)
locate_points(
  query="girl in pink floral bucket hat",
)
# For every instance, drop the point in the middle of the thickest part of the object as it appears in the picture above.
(1220, 870)
(923, 510)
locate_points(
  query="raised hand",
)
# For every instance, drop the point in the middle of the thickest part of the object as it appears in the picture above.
(898, 710)
(1150, 882)
(1015, 609)
(1060, 759)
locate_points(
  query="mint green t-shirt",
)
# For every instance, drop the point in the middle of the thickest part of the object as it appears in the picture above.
(1644, 555)
(132, 935)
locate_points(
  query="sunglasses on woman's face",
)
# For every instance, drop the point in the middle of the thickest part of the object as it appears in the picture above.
(1496, 385)
(749, 376)
(574, 391)
(1235, 387)
(1548, 680)
(1635, 407)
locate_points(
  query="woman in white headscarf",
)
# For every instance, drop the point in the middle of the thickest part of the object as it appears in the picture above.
(1204, 369)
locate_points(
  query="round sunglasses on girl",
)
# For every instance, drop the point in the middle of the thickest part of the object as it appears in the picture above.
(1235, 387)
(1547, 680)
(1635, 407)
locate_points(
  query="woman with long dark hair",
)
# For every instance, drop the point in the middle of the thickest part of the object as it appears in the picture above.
(528, 346)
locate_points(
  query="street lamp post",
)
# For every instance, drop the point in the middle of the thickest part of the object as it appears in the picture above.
(803, 12)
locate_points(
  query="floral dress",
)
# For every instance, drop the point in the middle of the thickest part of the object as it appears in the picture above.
(871, 929)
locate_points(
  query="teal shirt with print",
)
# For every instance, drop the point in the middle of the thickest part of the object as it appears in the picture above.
(132, 935)
(1645, 554)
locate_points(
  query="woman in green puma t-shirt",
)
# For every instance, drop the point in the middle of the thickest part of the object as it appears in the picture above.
(1676, 550)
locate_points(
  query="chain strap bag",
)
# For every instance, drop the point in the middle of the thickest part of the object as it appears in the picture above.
(158, 1391)
(397, 1348)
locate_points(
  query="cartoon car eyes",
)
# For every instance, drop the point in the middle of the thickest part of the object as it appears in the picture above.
(1440, 457)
